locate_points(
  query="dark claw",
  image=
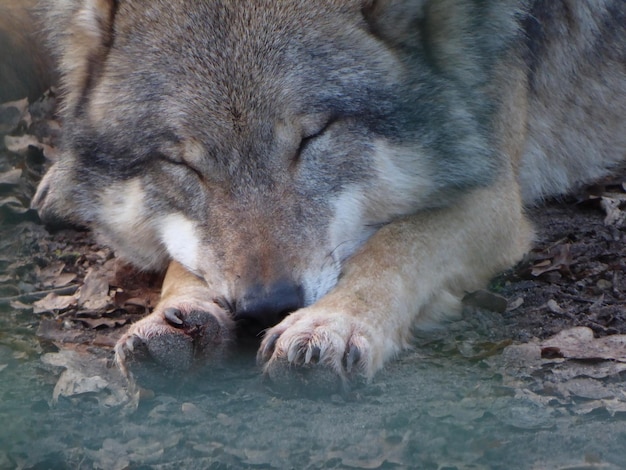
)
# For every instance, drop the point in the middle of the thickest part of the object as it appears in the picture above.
(296, 357)
(268, 350)
(351, 357)
(315, 355)
(133, 342)
(173, 316)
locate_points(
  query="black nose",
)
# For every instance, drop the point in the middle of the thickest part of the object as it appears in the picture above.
(266, 306)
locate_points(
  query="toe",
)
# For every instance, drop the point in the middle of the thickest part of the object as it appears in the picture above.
(173, 351)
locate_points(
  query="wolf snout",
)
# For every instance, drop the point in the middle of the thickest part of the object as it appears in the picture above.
(265, 306)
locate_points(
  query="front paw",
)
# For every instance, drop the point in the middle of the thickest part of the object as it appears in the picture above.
(175, 337)
(313, 349)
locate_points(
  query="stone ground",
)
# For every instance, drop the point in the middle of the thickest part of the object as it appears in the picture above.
(64, 300)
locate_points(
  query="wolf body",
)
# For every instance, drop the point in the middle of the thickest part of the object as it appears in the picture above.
(333, 172)
(25, 69)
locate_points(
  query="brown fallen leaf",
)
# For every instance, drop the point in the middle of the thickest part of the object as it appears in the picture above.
(20, 144)
(11, 177)
(54, 303)
(586, 387)
(14, 205)
(558, 258)
(612, 406)
(86, 373)
(102, 322)
(580, 343)
(53, 275)
(612, 205)
(134, 301)
(94, 293)
(59, 332)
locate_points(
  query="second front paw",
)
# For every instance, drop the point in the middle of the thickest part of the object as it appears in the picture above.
(174, 338)
(320, 350)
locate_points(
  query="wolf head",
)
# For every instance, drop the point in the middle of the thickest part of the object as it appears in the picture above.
(261, 143)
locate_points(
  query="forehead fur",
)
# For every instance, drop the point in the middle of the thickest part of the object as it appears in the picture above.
(238, 56)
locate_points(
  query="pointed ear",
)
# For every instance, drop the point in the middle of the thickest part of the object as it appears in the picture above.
(397, 22)
(457, 37)
(81, 34)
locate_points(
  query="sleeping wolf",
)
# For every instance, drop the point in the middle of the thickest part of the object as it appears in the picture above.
(332, 172)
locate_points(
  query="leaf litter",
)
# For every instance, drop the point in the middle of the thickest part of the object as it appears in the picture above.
(553, 329)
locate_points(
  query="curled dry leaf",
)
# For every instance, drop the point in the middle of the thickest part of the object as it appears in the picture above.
(14, 205)
(11, 177)
(54, 303)
(94, 293)
(558, 258)
(86, 373)
(612, 406)
(20, 144)
(102, 322)
(579, 343)
(612, 204)
(53, 275)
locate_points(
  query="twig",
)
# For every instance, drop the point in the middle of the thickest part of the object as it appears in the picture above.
(40, 294)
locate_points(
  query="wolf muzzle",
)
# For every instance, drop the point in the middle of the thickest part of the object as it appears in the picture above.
(264, 306)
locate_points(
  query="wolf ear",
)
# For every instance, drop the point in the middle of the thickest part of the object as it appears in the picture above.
(81, 33)
(457, 37)
(397, 22)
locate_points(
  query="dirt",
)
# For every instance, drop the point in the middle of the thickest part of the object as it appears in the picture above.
(477, 393)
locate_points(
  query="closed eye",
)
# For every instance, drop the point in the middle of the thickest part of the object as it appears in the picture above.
(308, 139)
(179, 162)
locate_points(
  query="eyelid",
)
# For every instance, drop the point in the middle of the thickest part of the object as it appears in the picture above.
(179, 162)
(313, 133)
(316, 131)
(314, 123)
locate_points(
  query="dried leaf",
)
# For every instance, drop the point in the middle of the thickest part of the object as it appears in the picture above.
(53, 275)
(579, 343)
(585, 387)
(135, 301)
(53, 303)
(11, 177)
(102, 321)
(94, 293)
(17, 305)
(58, 331)
(572, 369)
(13, 204)
(559, 259)
(613, 406)
(20, 144)
(86, 373)
(521, 355)
(614, 215)
(63, 279)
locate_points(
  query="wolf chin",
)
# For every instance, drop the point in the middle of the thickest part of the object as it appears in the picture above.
(330, 172)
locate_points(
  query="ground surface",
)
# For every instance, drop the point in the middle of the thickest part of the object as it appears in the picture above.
(497, 389)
